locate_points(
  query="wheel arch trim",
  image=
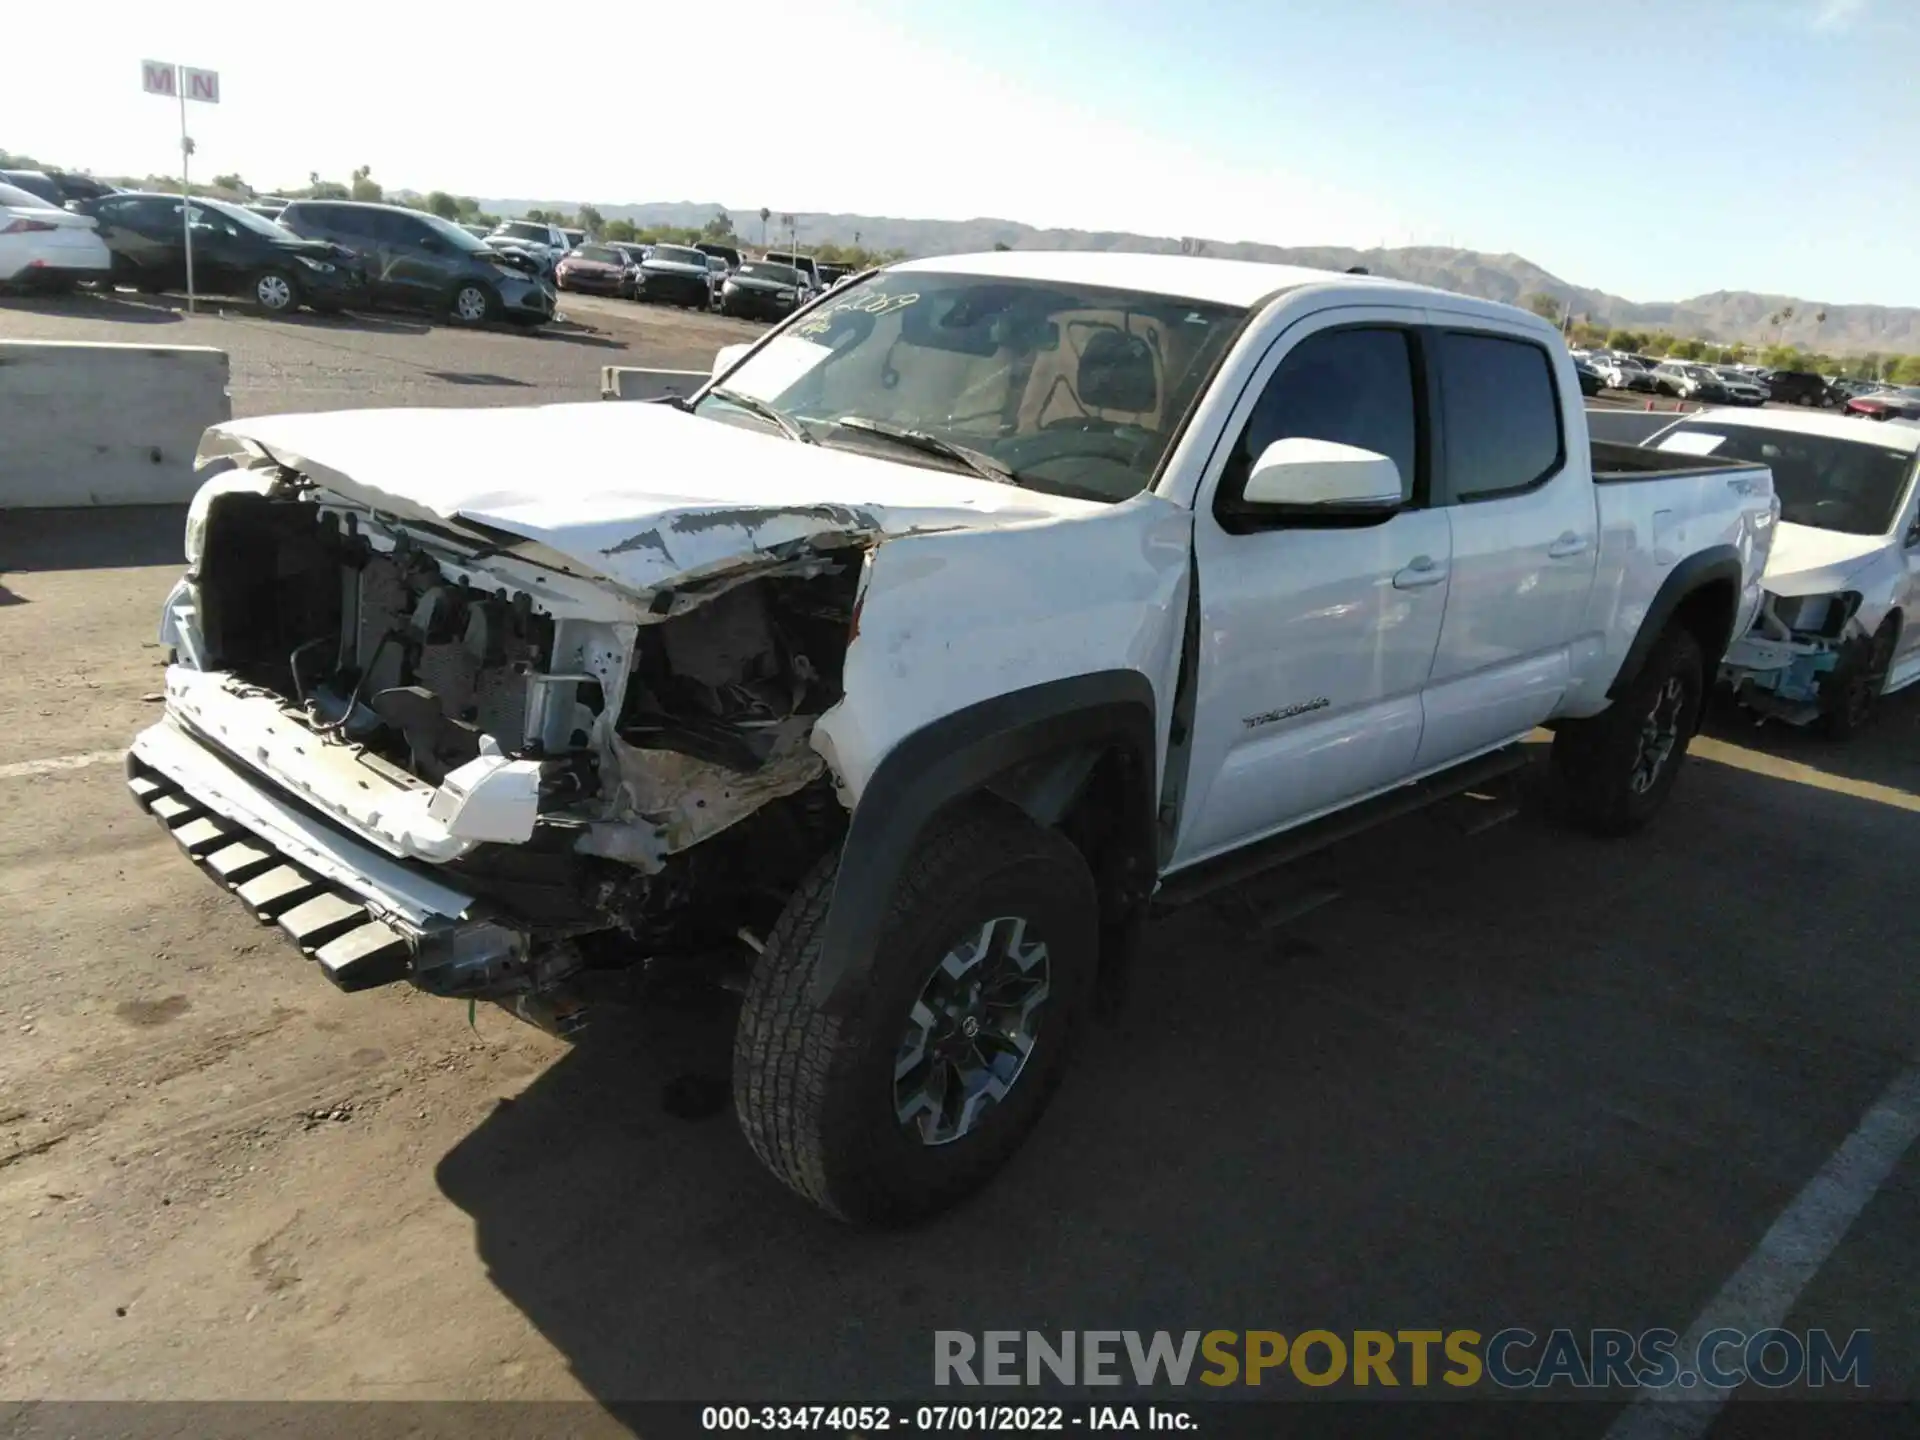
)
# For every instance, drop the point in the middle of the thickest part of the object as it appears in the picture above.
(959, 755)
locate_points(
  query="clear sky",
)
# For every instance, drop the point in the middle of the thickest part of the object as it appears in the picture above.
(1652, 148)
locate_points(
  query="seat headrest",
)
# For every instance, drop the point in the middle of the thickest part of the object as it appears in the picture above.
(1116, 373)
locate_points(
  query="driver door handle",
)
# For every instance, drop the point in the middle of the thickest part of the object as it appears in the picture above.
(1567, 546)
(1419, 573)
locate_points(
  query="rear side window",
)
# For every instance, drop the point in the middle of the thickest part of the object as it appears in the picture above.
(1352, 386)
(1500, 415)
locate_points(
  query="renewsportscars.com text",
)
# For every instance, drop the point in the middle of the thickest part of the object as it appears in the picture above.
(1514, 1358)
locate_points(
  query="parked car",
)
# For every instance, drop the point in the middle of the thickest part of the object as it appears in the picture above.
(1835, 630)
(1591, 380)
(858, 670)
(632, 254)
(1892, 402)
(1689, 381)
(535, 237)
(1623, 372)
(1801, 387)
(677, 275)
(808, 267)
(574, 238)
(46, 248)
(235, 252)
(62, 187)
(760, 290)
(1741, 387)
(417, 261)
(595, 269)
(832, 275)
(728, 253)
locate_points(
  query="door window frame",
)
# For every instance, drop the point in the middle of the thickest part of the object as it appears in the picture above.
(1445, 492)
(1428, 453)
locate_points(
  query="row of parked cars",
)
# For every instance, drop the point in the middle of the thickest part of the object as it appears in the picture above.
(1743, 385)
(707, 275)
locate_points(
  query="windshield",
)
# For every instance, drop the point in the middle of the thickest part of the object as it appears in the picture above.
(605, 254)
(781, 274)
(452, 233)
(678, 256)
(248, 219)
(1077, 390)
(524, 230)
(1852, 486)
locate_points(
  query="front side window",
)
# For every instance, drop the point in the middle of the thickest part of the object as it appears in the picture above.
(1075, 390)
(1500, 414)
(1354, 386)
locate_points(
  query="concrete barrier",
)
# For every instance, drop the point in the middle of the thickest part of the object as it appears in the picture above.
(630, 382)
(88, 424)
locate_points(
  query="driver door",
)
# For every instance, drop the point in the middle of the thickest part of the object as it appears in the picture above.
(1317, 635)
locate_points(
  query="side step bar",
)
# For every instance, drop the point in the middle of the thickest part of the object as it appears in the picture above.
(1210, 877)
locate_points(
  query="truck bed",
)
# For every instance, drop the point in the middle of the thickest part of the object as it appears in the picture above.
(1615, 462)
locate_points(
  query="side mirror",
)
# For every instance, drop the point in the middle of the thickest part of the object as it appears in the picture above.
(728, 357)
(1305, 472)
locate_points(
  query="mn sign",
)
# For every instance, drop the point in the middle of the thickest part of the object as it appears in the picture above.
(177, 81)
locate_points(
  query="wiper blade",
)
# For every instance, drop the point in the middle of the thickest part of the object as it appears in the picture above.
(978, 461)
(753, 405)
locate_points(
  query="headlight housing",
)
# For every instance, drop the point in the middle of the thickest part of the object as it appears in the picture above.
(325, 267)
(783, 294)
(1823, 615)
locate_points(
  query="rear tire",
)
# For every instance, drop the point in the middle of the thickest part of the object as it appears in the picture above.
(882, 1114)
(1614, 772)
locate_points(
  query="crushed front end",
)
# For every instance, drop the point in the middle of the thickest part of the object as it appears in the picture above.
(435, 753)
(1785, 666)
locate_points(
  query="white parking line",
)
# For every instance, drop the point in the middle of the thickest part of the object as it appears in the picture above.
(1789, 1255)
(21, 769)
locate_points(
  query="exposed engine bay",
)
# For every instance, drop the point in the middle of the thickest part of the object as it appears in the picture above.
(593, 764)
(1787, 664)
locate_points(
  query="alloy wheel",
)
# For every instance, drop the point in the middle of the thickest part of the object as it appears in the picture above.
(1659, 735)
(970, 1032)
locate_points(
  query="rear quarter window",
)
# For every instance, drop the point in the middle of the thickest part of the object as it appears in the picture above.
(1500, 413)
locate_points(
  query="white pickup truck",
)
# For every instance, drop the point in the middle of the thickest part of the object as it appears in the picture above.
(976, 608)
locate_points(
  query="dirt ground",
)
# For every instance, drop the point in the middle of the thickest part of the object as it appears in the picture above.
(1515, 1077)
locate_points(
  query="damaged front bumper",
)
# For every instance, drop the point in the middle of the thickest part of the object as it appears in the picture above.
(365, 918)
(1780, 668)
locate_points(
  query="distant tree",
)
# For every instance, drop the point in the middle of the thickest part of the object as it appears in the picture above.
(719, 229)
(1687, 349)
(1658, 344)
(591, 221)
(1001, 245)
(1627, 340)
(365, 187)
(440, 203)
(618, 230)
(328, 190)
(1905, 370)
(233, 183)
(765, 215)
(1545, 306)
(1782, 357)
(1588, 335)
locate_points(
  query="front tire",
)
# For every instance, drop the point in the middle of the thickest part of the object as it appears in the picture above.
(1859, 680)
(275, 292)
(1615, 770)
(946, 1056)
(472, 303)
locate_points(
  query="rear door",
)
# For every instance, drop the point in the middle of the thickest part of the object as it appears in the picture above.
(1316, 635)
(1525, 539)
(417, 263)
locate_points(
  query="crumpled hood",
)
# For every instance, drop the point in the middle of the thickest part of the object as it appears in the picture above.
(645, 495)
(1809, 561)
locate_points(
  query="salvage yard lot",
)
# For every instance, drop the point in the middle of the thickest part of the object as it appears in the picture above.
(1521, 1078)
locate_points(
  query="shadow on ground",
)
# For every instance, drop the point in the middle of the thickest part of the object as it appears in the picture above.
(96, 538)
(1519, 1078)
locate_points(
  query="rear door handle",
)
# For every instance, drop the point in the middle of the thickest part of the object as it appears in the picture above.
(1419, 573)
(1567, 546)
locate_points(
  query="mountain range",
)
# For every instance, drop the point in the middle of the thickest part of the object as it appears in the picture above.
(1724, 315)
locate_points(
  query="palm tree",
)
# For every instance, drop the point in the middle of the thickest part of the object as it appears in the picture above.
(765, 215)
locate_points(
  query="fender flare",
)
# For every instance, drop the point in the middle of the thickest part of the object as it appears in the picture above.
(955, 756)
(1706, 567)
